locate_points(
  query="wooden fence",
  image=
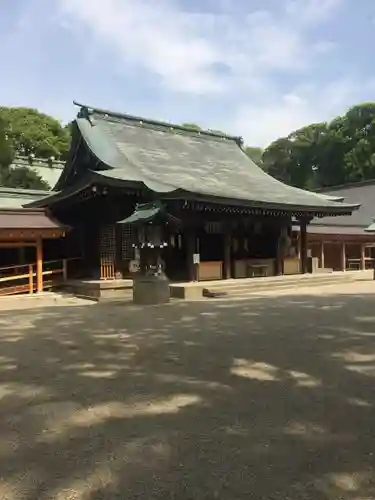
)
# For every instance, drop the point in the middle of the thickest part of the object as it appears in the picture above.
(23, 278)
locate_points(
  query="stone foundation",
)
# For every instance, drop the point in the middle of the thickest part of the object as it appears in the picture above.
(151, 290)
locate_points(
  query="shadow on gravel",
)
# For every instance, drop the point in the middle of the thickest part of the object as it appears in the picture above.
(270, 398)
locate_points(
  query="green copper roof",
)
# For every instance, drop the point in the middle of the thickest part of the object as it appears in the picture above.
(170, 159)
(144, 213)
(49, 170)
(16, 198)
(371, 227)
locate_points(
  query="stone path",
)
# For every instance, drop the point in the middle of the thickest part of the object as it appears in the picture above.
(267, 398)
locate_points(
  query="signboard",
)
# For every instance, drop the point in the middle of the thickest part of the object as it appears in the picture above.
(196, 258)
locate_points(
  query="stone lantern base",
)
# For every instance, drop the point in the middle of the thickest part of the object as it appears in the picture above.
(148, 290)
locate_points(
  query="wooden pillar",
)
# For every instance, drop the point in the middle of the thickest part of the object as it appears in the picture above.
(227, 254)
(363, 263)
(322, 263)
(31, 279)
(39, 265)
(303, 233)
(343, 256)
(190, 251)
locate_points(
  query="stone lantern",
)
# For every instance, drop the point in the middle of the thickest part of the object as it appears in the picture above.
(150, 285)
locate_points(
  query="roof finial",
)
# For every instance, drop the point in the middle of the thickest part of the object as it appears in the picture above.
(240, 141)
(85, 113)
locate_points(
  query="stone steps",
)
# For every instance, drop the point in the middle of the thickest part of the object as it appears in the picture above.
(288, 283)
(244, 287)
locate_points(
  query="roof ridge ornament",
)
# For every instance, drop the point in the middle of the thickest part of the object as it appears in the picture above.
(371, 227)
(86, 113)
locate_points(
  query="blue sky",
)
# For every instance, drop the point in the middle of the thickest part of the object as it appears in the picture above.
(257, 68)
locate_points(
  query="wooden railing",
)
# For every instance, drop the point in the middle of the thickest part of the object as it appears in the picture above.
(107, 268)
(23, 278)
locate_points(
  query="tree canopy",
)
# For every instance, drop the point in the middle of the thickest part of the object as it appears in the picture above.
(33, 132)
(192, 126)
(20, 177)
(326, 154)
(6, 149)
(256, 154)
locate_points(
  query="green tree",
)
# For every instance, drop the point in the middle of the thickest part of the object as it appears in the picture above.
(6, 149)
(216, 131)
(15, 177)
(327, 154)
(255, 154)
(297, 159)
(277, 160)
(22, 177)
(33, 132)
(356, 133)
(192, 126)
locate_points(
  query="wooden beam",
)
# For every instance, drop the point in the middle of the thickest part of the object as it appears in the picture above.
(29, 234)
(39, 265)
(17, 244)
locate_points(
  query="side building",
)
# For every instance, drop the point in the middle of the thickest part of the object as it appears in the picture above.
(29, 239)
(342, 243)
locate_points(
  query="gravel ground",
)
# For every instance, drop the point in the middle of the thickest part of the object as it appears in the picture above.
(271, 397)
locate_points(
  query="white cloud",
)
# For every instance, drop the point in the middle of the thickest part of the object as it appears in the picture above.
(262, 123)
(221, 54)
(162, 40)
(311, 11)
(184, 49)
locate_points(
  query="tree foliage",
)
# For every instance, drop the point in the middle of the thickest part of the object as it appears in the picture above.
(326, 154)
(21, 177)
(255, 154)
(192, 126)
(15, 177)
(6, 149)
(33, 132)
